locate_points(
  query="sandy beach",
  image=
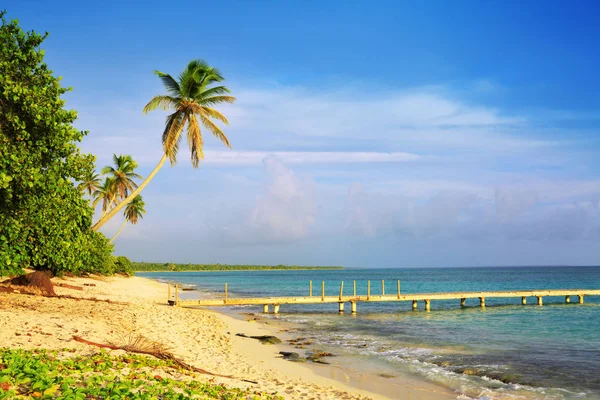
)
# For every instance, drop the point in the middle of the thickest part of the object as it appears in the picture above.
(201, 338)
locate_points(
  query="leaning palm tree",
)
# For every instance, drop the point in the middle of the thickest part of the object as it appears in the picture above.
(122, 174)
(90, 183)
(106, 194)
(134, 211)
(191, 99)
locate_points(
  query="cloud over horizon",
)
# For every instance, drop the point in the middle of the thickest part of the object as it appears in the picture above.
(316, 170)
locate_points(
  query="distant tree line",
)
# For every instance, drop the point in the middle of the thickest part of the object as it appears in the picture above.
(147, 266)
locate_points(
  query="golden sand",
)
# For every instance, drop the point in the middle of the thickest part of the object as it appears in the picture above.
(201, 338)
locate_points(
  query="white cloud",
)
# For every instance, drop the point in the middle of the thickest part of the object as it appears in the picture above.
(533, 212)
(512, 202)
(421, 164)
(236, 158)
(286, 211)
(301, 125)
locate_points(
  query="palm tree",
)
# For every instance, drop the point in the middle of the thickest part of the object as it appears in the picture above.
(107, 194)
(133, 211)
(191, 98)
(122, 174)
(90, 183)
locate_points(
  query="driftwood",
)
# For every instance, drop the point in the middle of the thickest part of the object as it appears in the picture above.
(92, 299)
(25, 291)
(158, 354)
(67, 286)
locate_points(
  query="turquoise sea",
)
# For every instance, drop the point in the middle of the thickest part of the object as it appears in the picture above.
(506, 350)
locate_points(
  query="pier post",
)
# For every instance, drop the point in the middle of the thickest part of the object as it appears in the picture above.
(354, 288)
(353, 307)
(567, 299)
(540, 301)
(398, 288)
(427, 305)
(342, 293)
(462, 302)
(226, 293)
(382, 287)
(523, 300)
(415, 305)
(310, 288)
(168, 292)
(341, 308)
(482, 301)
(368, 290)
(177, 294)
(265, 308)
(580, 299)
(322, 290)
(275, 308)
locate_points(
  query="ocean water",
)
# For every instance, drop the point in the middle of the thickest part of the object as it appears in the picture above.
(504, 351)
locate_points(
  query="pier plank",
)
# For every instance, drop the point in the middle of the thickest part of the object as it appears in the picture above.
(228, 301)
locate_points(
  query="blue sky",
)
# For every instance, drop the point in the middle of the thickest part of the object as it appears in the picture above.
(365, 134)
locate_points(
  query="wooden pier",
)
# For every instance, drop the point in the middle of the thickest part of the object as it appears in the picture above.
(353, 299)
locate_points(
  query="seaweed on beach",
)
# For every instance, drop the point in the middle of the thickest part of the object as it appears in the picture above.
(264, 339)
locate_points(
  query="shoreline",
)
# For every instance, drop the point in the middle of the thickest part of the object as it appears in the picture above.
(364, 381)
(357, 381)
(205, 339)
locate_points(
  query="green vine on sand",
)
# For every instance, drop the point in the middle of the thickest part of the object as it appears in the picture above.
(42, 374)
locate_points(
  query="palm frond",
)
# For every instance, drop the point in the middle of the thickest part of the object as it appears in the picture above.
(188, 79)
(213, 91)
(107, 170)
(170, 83)
(172, 135)
(195, 141)
(195, 65)
(209, 101)
(215, 130)
(207, 76)
(134, 210)
(162, 102)
(212, 113)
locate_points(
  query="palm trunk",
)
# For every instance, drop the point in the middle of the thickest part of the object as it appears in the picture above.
(119, 231)
(122, 204)
(103, 213)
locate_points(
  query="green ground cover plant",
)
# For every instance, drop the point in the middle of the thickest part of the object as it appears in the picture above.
(44, 374)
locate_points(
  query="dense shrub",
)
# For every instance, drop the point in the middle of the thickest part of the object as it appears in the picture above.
(123, 266)
(44, 221)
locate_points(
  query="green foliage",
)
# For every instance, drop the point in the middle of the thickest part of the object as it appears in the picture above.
(44, 220)
(134, 210)
(148, 267)
(122, 175)
(191, 98)
(123, 266)
(54, 375)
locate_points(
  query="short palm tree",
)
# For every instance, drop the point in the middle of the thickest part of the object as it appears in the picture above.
(122, 174)
(191, 98)
(90, 183)
(134, 211)
(106, 194)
